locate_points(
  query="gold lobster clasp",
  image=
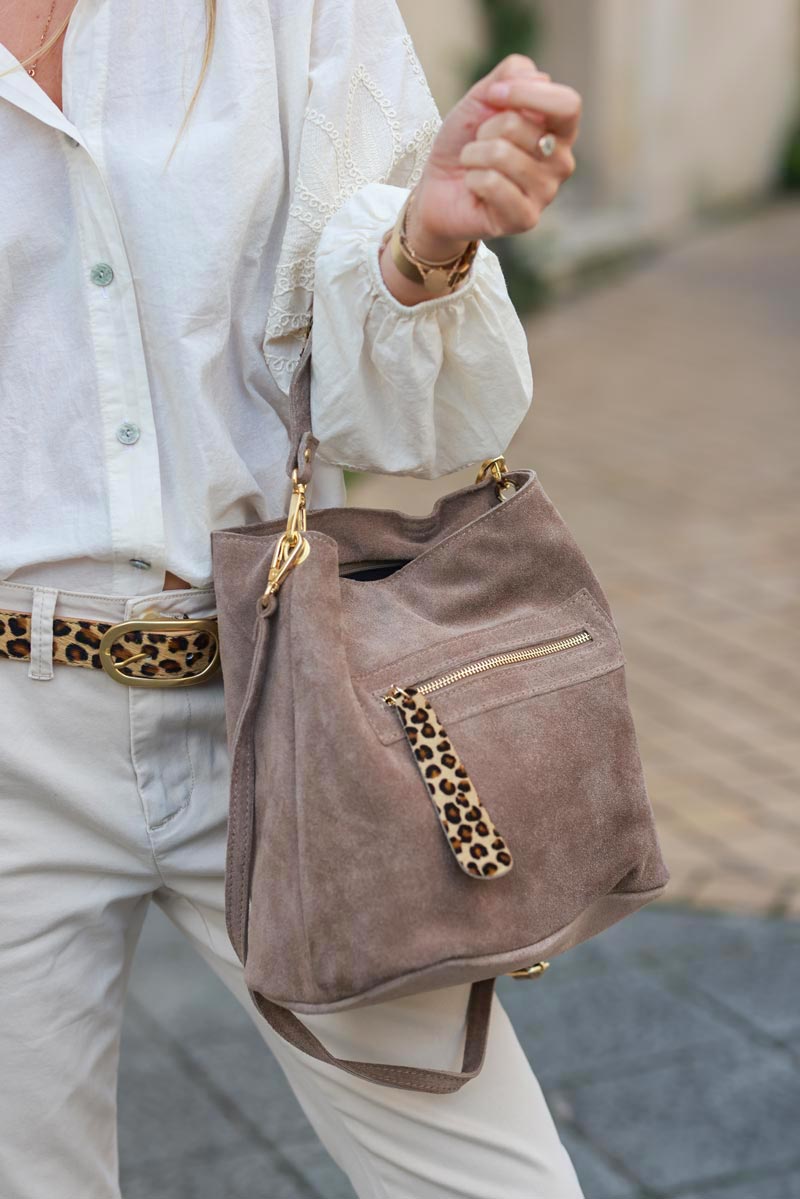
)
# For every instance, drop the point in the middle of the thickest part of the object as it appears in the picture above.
(292, 546)
(496, 467)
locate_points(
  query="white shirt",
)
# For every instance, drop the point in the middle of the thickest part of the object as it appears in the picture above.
(151, 315)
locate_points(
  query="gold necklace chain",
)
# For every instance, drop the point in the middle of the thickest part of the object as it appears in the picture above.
(32, 69)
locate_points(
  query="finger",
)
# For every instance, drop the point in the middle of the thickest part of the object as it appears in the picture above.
(503, 156)
(508, 210)
(508, 67)
(518, 165)
(513, 66)
(560, 104)
(516, 127)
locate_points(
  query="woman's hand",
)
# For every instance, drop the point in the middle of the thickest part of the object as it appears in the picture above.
(485, 176)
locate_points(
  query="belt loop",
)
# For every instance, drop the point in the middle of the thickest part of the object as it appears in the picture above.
(44, 605)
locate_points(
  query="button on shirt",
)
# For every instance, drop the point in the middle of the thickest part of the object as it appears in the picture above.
(101, 274)
(128, 433)
(152, 309)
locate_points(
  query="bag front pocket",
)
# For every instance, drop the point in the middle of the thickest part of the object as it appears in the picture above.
(473, 672)
(477, 845)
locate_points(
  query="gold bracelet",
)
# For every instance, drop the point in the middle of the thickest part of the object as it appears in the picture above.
(436, 277)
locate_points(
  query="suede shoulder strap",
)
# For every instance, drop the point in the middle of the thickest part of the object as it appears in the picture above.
(302, 442)
(407, 1078)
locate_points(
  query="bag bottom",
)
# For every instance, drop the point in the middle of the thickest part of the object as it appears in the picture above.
(601, 914)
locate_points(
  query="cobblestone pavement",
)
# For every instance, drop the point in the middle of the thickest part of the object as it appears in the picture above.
(668, 1049)
(666, 429)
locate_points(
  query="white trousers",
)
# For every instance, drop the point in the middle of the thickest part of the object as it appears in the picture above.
(111, 796)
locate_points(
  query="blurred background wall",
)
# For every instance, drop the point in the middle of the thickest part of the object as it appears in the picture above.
(687, 105)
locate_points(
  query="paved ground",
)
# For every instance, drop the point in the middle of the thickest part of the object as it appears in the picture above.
(668, 1049)
(666, 430)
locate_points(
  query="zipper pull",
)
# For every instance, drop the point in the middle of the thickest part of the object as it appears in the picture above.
(477, 846)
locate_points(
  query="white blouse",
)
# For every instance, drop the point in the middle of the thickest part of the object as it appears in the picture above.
(151, 314)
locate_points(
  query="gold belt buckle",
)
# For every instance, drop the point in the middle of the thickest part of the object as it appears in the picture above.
(164, 624)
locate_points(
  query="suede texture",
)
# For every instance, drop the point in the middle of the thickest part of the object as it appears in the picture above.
(354, 893)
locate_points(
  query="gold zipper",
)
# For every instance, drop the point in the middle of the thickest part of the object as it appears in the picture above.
(525, 654)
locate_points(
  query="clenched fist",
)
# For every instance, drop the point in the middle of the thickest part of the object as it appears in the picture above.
(486, 175)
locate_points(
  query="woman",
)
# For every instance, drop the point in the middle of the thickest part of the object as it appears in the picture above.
(160, 245)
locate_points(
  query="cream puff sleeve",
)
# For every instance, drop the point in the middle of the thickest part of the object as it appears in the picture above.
(410, 390)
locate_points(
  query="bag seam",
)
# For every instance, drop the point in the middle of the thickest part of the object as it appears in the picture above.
(466, 960)
(573, 601)
(449, 540)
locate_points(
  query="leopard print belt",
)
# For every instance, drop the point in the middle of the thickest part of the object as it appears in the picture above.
(158, 652)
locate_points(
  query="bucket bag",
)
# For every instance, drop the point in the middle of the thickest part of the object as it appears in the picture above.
(435, 776)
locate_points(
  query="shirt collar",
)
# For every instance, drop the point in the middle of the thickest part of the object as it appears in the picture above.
(18, 88)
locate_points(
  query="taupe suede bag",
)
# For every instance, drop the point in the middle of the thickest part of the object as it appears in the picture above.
(435, 774)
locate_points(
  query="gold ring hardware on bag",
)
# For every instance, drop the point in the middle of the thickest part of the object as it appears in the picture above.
(534, 971)
(164, 624)
(496, 467)
(292, 547)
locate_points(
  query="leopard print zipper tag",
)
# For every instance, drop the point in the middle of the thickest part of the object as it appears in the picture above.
(476, 844)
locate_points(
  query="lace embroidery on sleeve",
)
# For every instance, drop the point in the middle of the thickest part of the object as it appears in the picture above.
(334, 163)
